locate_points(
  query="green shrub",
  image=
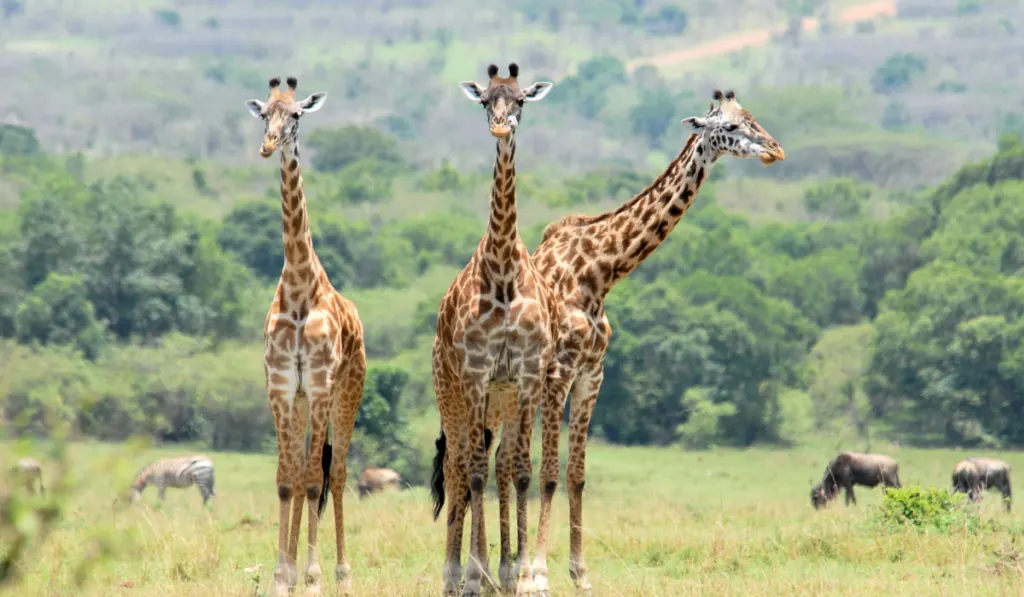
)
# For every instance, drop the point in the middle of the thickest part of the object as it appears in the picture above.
(930, 508)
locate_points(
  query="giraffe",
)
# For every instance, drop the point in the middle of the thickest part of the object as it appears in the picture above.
(314, 358)
(491, 352)
(582, 258)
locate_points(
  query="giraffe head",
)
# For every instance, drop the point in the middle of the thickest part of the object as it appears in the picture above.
(503, 99)
(281, 114)
(730, 130)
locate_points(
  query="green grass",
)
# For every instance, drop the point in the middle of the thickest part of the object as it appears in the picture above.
(657, 522)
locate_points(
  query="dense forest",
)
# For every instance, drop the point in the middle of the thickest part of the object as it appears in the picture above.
(866, 288)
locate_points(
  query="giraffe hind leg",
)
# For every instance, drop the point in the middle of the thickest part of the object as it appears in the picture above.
(584, 398)
(503, 478)
(343, 420)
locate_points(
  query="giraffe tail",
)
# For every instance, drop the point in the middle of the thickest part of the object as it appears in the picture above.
(325, 465)
(437, 474)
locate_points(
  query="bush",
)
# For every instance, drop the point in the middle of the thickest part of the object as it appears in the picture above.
(930, 508)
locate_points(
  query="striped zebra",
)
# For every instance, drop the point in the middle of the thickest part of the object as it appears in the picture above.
(176, 472)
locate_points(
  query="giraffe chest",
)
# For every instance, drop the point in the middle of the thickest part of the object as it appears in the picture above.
(301, 354)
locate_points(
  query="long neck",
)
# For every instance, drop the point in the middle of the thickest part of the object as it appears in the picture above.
(643, 223)
(502, 228)
(301, 267)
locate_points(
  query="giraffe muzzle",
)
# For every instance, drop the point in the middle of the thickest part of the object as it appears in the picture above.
(775, 155)
(501, 130)
(267, 150)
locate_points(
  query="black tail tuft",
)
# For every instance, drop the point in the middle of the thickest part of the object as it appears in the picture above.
(437, 475)
(325, 464)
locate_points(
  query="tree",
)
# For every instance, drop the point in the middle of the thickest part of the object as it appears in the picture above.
(338, 148)
(252, 232)
(58, 312)
(897, 72)
(840, 198)
(653, 115)
(18, 140)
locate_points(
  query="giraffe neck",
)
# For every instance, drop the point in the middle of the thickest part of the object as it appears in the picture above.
(644, 222)
(301, 267)
(502, 228)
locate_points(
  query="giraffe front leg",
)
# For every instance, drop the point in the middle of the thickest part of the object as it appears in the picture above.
(584, 398)
(343, 421)
(285, 576)
(458, 502)
(474, 391)
(297, 450)
(531, 389)
(320, 405)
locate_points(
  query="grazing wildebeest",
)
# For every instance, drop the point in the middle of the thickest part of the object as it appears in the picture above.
(376, 479)
(853, 468)
(974, 475)
(29, 470)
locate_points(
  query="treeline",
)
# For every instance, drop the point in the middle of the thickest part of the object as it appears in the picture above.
(125, 316)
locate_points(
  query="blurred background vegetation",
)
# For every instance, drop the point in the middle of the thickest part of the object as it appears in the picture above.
(868, 287)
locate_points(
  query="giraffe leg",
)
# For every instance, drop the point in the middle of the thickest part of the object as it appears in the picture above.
(285, 576)
(297, 449)
(584, 397)
(552, 410)
(456, 488)
(503, 478)
(531, 389)
(476, 462)
(343, 421)
(321, 402)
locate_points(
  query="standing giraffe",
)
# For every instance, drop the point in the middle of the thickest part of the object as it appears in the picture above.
(581, 259)
(314, 358)
(494, 336)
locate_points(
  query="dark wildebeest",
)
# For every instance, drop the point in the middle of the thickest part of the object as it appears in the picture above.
(974, 475)
(28, 470)
(376, 479)
(852, 468)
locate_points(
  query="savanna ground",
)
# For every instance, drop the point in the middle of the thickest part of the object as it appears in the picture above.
(657, 522)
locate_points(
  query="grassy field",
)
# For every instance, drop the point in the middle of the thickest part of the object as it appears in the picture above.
(658, 522)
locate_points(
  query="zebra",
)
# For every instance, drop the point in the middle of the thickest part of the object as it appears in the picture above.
(28, 470)
(176, 472)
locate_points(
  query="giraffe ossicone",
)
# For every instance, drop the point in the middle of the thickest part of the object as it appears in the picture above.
(314, 358)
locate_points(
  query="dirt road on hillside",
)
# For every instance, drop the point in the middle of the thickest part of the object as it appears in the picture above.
(761, 37)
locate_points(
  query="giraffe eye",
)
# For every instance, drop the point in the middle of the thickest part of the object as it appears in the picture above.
(730, 128)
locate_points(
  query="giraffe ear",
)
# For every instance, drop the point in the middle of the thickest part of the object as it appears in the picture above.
(313, 102)
(695, 123)
(472, 90)
(255, 107)
(537, 91)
